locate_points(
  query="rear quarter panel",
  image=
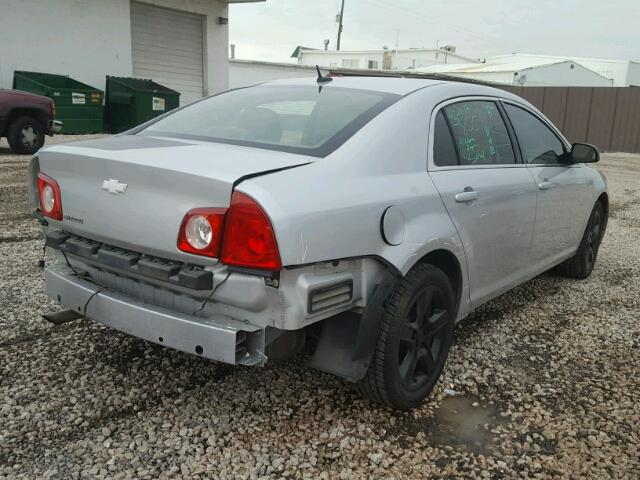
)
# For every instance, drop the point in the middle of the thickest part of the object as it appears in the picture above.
(332, 209)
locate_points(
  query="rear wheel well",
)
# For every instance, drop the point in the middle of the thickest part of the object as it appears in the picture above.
(449, 264)
(39, 115)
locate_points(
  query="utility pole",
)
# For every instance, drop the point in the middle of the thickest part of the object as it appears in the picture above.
(340, 25)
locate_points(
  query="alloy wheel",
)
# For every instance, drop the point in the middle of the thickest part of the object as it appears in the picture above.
(422, 338)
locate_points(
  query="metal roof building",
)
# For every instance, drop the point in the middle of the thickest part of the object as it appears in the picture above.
(384, 59)
(623, 73)
(525, 72)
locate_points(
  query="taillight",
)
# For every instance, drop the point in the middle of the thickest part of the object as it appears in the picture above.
(249, 240)
(201, 231)
(53, 110)
(49, 195)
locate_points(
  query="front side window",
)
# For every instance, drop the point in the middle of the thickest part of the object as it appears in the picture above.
(297, 119)
(538, 143)
(480, 133)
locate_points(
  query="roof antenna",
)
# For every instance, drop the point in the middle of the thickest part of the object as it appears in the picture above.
(321, 78)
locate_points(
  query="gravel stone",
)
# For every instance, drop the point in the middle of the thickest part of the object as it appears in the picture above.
(542, 382)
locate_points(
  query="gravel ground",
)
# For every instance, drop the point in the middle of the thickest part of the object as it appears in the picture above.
(543, 382)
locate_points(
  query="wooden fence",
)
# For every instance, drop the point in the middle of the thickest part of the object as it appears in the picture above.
(607, 117)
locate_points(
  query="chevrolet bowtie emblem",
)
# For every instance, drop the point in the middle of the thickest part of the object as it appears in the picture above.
(114, 187)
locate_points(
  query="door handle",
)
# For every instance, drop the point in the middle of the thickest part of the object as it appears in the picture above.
(467, 196)
(546, 185)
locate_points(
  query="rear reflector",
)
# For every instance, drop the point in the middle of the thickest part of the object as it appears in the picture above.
(50, 198)
(249, 239)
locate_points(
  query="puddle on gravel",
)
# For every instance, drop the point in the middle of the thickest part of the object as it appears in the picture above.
(458, 423)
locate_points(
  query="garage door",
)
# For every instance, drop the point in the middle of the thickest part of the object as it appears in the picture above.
(168, 48)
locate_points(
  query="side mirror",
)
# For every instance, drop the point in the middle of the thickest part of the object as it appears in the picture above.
(584, 153)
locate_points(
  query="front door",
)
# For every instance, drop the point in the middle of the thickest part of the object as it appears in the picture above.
(564, 191)
(490, 197)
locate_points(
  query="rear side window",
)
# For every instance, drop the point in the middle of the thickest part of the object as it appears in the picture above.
(538, 143)
(298, 119)
(444, 150)
(480, 133)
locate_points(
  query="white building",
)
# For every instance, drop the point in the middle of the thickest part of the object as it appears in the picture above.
(526, 72)
(244, 73)
(624, 73)
(401, 59)
(182, 44)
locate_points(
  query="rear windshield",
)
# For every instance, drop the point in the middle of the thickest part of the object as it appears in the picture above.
(298, 119)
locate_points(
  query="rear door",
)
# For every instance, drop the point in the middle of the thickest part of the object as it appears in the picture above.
(487, 192)
(564, 192)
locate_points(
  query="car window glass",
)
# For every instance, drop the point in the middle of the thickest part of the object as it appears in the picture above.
(480, 133)
(538, 143)
(444, 150)
(298, 119)
(293, 116)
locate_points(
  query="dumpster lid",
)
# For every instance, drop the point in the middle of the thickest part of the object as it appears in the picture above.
(54, 80)
(142, 85)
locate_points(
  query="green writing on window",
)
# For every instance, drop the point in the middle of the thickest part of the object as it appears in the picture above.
(480, 133)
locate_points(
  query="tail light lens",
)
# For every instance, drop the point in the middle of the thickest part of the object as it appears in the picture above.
(53, 110)
(201, 231)
(241, 236)
(49, 195)
(249, 240)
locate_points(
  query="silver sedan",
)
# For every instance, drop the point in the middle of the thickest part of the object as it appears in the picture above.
(366, 214)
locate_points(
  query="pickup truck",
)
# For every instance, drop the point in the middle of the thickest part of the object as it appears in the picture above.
(25, 119)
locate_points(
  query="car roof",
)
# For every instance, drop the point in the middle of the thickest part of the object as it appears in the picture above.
(397, 86)
(400, 86)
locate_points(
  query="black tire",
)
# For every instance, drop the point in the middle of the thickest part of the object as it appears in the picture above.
(25, 135)
(581, 264)
(404, 333)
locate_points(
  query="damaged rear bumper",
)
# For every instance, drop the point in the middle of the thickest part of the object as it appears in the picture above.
(218, 338)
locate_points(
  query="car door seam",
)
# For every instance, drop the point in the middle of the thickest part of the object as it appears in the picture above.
(464, 250)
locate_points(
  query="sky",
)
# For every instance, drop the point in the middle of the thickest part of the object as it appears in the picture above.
(271, 30)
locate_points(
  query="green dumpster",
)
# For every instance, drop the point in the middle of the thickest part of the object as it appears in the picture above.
(78, 105)
(132, 101)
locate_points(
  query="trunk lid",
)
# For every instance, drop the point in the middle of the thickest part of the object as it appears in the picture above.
(133, 191)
